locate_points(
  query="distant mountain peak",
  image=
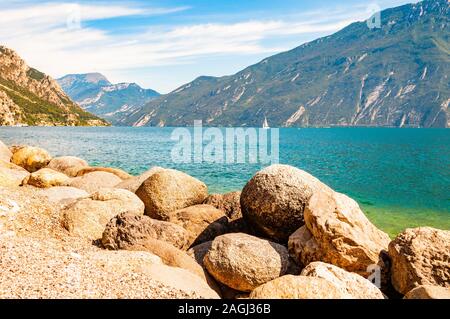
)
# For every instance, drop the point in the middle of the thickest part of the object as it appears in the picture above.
(93, 92)
(71, 80)
(95, 78)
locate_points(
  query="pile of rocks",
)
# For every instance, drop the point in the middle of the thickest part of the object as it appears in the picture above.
(71, 230)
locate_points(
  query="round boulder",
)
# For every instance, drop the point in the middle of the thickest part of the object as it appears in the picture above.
(198, 253)
(244, 262)
(66, 164)
(95, 181)
(420, 256)
(31, 158)
(169, 190)
(88, 217)
(298, 287)
(129, 229)
(46, 178)
(203, 222)
(273, 201)
(351, 284)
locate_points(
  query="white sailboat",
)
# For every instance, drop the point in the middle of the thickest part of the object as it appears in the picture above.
(266, 124)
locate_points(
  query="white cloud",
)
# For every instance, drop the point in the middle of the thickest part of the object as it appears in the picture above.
(53, 14)
(42, 35)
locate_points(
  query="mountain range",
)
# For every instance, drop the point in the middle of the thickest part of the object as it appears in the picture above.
(394, 76)
(96, 94)
(30, 97)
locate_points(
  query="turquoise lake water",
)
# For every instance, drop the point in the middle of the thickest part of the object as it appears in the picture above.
(400, 177)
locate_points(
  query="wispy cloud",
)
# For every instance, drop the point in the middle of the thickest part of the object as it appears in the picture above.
(52, 14)
(43, 34)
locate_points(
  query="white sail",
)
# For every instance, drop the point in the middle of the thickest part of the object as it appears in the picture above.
(266, 124)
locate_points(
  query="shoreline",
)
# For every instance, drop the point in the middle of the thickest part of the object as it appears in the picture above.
(285, 235)
(392, 215)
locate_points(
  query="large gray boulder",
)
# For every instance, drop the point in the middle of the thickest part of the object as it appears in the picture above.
(244, 262)
(68, 165)
(274, 200)
(88, 217)
(128, 229)
(46, 178)
(337, 232)
(31, 158)
(169, 190)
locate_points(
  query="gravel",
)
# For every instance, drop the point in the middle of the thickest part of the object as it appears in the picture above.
(38, 258)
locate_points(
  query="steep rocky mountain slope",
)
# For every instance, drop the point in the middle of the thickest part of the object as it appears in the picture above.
(94, 93)
(396, 75)
(29, 97)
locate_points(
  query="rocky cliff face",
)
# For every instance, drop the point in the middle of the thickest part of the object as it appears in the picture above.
(396, 75)
(94, 93)
(29, 97)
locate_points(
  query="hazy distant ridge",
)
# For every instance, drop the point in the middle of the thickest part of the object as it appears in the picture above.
(95, 93)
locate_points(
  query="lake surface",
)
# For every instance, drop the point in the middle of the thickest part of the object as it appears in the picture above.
(400, 177)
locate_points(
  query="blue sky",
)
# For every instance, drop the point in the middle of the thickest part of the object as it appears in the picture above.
(163, 44)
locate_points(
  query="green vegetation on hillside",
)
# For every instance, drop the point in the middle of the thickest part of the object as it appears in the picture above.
(37, 111)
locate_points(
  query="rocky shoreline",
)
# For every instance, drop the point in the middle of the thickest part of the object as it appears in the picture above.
(68, 230)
